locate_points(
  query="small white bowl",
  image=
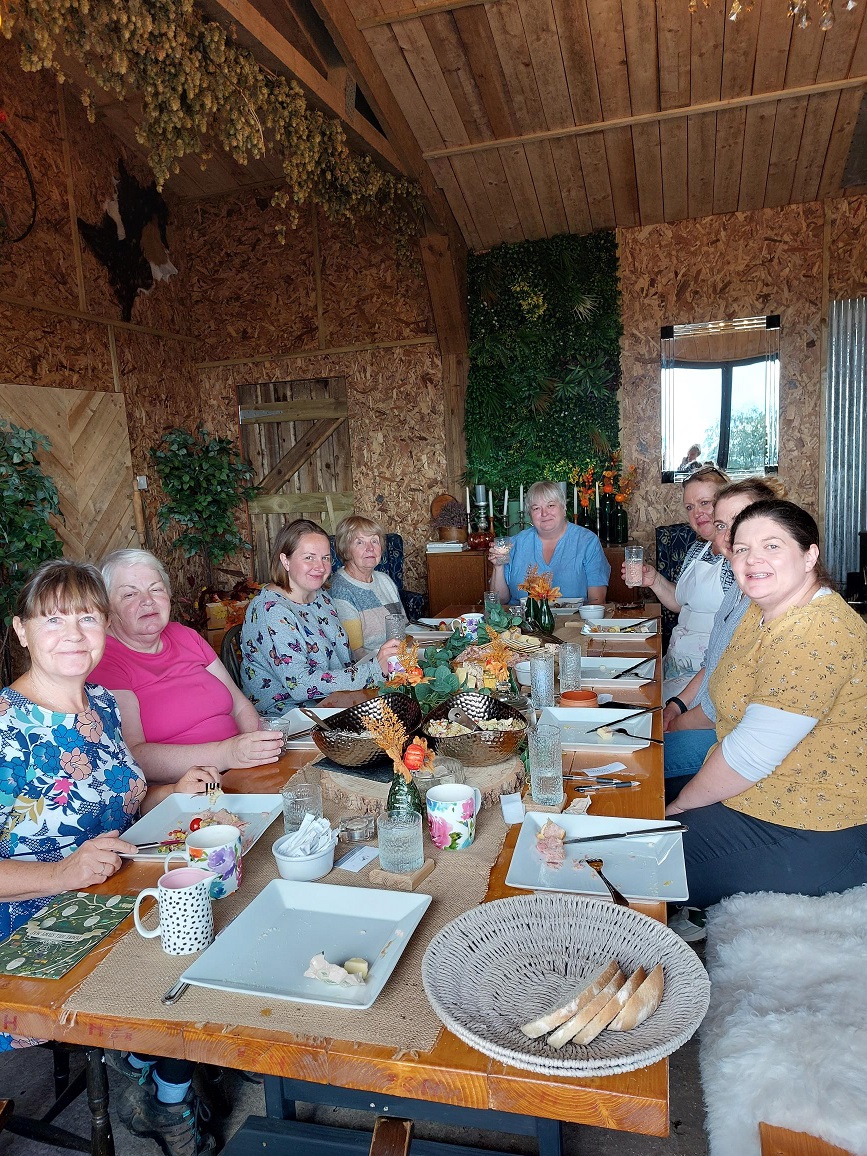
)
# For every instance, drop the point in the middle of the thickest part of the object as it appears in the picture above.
(592, 613)
(303, 868)
(522, 673)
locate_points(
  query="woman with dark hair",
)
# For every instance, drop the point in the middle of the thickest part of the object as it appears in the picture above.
(293, 647)
(780, 803)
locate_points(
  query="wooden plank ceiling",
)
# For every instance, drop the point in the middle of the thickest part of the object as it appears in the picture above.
(537, 117)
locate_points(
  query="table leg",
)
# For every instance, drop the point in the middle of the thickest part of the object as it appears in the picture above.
(549, 1133)
(279, 1104)
(102, 1141)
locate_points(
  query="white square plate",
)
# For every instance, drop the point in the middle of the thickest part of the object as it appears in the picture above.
(268, 947)
(257, 811)
(648, 868)
(296, 723)
(575, 723)
(600, 672)
(617, 628)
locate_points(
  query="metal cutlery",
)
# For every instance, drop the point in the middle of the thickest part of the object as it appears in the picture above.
(635, 714)
(175, 992)
(320, 722)
(160, 843)
(618, 897)
(637, 738)
(459, 715)
(630, 669)
(672, 829)
(635, 625)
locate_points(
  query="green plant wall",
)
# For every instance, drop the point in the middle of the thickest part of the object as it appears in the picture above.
(544, 358)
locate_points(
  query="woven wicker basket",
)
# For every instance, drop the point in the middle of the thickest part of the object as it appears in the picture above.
(507, 962)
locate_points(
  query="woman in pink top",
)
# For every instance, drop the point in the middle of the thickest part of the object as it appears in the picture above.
(178, 704)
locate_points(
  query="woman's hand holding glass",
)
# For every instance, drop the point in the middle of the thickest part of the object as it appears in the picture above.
(388, 650)
(254, 748)
(649, 575)
(498, 554)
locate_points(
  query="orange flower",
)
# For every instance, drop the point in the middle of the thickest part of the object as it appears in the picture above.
(538, 586)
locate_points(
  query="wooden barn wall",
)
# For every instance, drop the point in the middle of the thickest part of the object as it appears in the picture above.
(737, 265)
(73, 164)
(331, 301)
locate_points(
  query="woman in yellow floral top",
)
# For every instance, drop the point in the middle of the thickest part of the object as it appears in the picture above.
(780, 803)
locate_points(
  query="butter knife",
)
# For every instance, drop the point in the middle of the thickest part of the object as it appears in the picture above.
(672, 830)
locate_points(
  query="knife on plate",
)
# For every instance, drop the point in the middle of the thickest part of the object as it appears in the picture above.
(672, 830)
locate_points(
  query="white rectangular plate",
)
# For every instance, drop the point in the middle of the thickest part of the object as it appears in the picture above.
(268, 947)
(428, 637)
(648, 868)
(575, 723)
(617, 628)
(258, 811)
(293, 722)
(600, 671)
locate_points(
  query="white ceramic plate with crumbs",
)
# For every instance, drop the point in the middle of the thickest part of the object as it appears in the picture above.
(601, 671)
(577, 734)
(176, 811)
(651, 867)
(619, 628)
(268, 947)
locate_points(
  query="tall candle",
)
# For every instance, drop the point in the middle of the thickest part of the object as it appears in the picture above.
(521, 502)
(598, 523)
(468, 499)
(506, 503)
(575, 501)
(490, 503)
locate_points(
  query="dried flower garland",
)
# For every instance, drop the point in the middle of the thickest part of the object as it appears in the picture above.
(196, 86)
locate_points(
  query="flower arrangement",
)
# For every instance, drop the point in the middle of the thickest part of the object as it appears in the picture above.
(452, 514)
(584, 477)
(620, 482)
(538, 586)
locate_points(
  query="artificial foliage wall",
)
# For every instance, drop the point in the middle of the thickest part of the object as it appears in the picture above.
(544, 358)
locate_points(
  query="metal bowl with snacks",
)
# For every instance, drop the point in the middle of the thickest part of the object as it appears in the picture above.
(478, 748)
(345, 741)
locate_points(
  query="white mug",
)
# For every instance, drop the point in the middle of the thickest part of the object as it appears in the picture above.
(451, 815)
(186, 917)
(216, 849)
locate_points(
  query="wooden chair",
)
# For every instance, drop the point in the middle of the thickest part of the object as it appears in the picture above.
(66, 1089)
(781, 1142)
(6, 1107)
(392, 1136)
(230, 653)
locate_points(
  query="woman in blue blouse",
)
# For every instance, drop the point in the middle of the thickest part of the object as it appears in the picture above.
(574, 555)
(293, 647)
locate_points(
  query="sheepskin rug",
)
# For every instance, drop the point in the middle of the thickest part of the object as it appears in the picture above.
(785, 1038)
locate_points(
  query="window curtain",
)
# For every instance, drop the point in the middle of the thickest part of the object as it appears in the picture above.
(846, 436)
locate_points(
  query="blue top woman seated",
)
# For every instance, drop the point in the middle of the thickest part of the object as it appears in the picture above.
(293, 648)
(573, 555)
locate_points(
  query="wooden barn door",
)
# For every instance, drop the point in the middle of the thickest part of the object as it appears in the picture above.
(89, 461)
(295, 434)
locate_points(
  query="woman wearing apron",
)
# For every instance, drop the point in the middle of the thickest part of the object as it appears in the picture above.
(704, 578)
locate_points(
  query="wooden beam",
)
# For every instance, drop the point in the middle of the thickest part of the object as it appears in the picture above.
(680, 113)
(446, 281)
(305, 409)
(417, 13)
(325, 94)
(260, 358)
(300, 453)
(296, 504)
(92, 318)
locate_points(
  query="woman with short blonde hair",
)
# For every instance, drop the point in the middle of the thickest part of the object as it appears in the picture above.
(362, 594)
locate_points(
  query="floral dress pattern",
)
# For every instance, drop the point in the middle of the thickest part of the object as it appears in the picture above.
(292, 652)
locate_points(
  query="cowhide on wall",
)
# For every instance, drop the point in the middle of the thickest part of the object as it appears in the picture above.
(130, 240)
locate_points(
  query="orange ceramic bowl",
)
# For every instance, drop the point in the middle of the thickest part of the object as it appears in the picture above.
(586, 698)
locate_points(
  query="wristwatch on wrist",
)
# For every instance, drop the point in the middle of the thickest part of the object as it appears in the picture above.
(678, 702)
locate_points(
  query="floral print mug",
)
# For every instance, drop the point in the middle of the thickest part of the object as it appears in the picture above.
(451, 815)
(216, 849)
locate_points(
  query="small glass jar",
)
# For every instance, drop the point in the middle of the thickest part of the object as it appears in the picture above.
(357, 828)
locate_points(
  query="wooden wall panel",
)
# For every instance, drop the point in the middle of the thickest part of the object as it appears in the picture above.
(848, 256)
(738, 265)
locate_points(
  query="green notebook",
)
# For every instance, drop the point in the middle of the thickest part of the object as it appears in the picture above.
(62, 933)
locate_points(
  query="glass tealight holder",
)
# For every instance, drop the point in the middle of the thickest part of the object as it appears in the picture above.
(357, 828)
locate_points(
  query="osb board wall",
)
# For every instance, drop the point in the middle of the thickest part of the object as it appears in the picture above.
(847, 275)
(713, 268)
(328, 288)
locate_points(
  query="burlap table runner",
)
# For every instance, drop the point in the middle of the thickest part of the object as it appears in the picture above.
(131, 979)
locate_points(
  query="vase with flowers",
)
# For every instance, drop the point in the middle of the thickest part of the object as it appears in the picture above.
(618, 486)
(584, 479)
(540, 595)
(450, 522)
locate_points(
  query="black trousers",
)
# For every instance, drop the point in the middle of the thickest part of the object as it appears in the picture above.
(727, 852)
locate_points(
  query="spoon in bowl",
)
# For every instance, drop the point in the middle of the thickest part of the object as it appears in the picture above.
(321, 722)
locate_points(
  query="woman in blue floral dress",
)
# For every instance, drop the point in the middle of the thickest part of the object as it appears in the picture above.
(293, 647)
(69, 787)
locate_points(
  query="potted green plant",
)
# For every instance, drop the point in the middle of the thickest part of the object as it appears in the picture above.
(29, 496)
(450, 522)
(206, 483)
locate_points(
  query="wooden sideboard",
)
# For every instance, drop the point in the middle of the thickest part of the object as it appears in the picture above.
(463, 577)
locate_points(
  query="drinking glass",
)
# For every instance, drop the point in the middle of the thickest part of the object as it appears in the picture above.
(501, 547)
(492, 602)
(570, 666)
(546, 765)
(298, 800)
(633, 556)
(400, 842)
(395, 626)
(542, 680)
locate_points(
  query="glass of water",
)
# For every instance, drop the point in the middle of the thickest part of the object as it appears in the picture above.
(633, 557)
(400, 842)
(570, 666)
(299, 799)
(542, 679)
(395, 626)
(546, 765)
(492, 602)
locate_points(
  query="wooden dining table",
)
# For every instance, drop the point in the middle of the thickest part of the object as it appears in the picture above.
(451, 1083)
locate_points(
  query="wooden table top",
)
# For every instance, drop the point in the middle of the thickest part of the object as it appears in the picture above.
(451, 1072)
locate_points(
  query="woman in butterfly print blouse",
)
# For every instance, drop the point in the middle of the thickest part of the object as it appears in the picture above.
(293, 647)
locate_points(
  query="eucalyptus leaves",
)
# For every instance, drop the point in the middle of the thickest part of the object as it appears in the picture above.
(196, 86)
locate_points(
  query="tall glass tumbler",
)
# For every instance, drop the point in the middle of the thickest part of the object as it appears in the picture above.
(395, 626)
(401, 849)
(546, 765)
(492, 602)
(633, 557)
(542, 679)
(570, 666)
(299, 799)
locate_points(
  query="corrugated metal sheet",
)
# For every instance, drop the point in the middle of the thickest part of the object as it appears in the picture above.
(846, 435)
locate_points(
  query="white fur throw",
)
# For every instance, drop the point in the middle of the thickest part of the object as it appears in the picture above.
(785, 1038)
